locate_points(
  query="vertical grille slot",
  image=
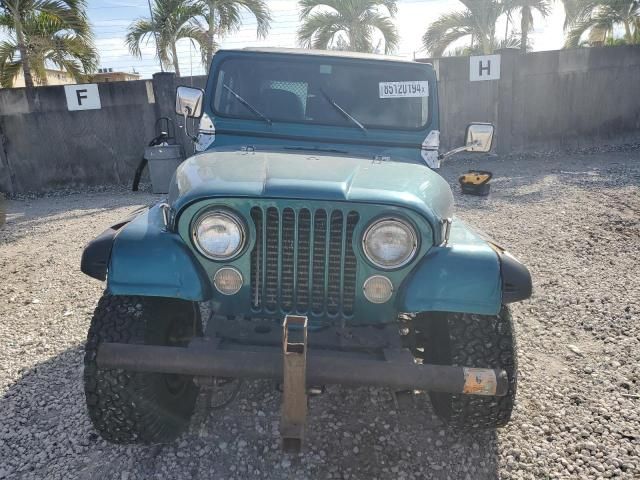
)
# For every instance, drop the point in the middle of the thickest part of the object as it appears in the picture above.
(271, 255)
(304, 257)
(303, 261)
(256, 259)
(319, 253)
(334, 286)
(350, 263)
(286, 275)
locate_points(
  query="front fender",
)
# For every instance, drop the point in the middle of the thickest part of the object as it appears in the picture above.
(148, 260)
(463, 276)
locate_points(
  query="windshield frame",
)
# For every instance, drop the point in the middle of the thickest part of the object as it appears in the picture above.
(317, 59)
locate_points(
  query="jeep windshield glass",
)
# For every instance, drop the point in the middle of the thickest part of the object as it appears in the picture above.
(343, 111)
(247, 104)
(306, 90)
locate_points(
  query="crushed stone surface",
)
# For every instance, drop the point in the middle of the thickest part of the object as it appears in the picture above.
(573, 219)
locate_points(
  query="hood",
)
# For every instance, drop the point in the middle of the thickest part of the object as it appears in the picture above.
(311, 176)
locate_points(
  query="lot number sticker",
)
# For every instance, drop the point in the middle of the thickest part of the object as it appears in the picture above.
(404, 89)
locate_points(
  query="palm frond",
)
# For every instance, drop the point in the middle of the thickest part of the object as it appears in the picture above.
(306, 6)
(391, 6)
(319, 29)
(513, 41)
(598, 21)
(230, 12)
(353, 23)
(50, 41)
(8, 67)
(9, 72)
(198, 37)
(577, 11)
(447, 29)
(578, 30)
(6, 21)
(139, 32)
(387, 28)
(73, 17)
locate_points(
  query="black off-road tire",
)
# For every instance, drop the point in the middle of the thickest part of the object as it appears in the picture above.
(479, 341)
(130, 407)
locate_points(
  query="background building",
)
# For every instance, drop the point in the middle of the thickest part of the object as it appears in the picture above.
(108, 75)
(54, 77)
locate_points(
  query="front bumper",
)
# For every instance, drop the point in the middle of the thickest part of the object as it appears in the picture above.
(297, 368)
(394, 368)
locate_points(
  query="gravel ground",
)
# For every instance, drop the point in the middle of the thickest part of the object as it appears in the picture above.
(573, 219)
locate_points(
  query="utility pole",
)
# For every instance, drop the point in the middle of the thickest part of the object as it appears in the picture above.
(155, 34)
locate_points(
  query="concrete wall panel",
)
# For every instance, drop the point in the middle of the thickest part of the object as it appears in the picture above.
(543, 101)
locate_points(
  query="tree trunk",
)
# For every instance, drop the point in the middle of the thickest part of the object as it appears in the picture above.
(212, 26)
(24, 56)
(524, 27)
(485, 44)
(174, 54)
(627, 32)
(352, 39)
(506, 30)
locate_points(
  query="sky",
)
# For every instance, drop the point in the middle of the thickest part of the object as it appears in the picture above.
(110, 19)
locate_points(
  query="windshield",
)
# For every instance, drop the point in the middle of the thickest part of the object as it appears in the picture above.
(324, 90)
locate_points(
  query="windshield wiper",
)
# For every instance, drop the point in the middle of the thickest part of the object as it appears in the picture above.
(343, 111)
(247, 104)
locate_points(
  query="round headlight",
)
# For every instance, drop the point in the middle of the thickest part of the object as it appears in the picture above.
(390, 243)
(219, 235)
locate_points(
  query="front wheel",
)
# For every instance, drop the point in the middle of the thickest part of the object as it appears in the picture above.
(134, 407)
(481, 341)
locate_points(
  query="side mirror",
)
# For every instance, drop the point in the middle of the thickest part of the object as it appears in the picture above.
(189, 101)
(479, 137)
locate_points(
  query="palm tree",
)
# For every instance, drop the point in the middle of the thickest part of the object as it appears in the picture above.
(477, 22)
(69, 14)
(526, 8)
(571, 11)
(48, 42)
(348, 24)
(171, 20)
(598, 19)
(225, 16)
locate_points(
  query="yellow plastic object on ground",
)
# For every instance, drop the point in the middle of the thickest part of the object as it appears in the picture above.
(476, 182)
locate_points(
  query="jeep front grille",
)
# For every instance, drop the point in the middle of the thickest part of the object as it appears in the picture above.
(303, 261)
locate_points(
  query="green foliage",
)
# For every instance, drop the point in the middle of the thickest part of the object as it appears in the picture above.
(200, 21)
(44, 33)
(222, 17)
(477, 22)
(348, 24)
(593, 22)
(526, 8)
(171, 21)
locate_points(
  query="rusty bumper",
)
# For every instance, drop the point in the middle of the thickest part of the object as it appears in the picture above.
(394, 368)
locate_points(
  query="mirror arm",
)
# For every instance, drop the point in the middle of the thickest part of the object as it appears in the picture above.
(444, 156)
(186, 113)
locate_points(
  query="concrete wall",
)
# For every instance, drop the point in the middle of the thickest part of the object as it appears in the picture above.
(546, 100)
(44, 145)
(542, 101)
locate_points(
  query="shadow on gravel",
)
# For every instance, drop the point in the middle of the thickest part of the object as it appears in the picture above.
(533, 180)
(45, 433)
(22, 216)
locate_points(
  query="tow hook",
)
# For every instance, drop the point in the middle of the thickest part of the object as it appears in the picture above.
(294, 382)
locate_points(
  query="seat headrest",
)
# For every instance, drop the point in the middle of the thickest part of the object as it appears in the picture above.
(279, 104)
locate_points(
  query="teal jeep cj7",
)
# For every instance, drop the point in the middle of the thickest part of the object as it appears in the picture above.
(314, 226)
